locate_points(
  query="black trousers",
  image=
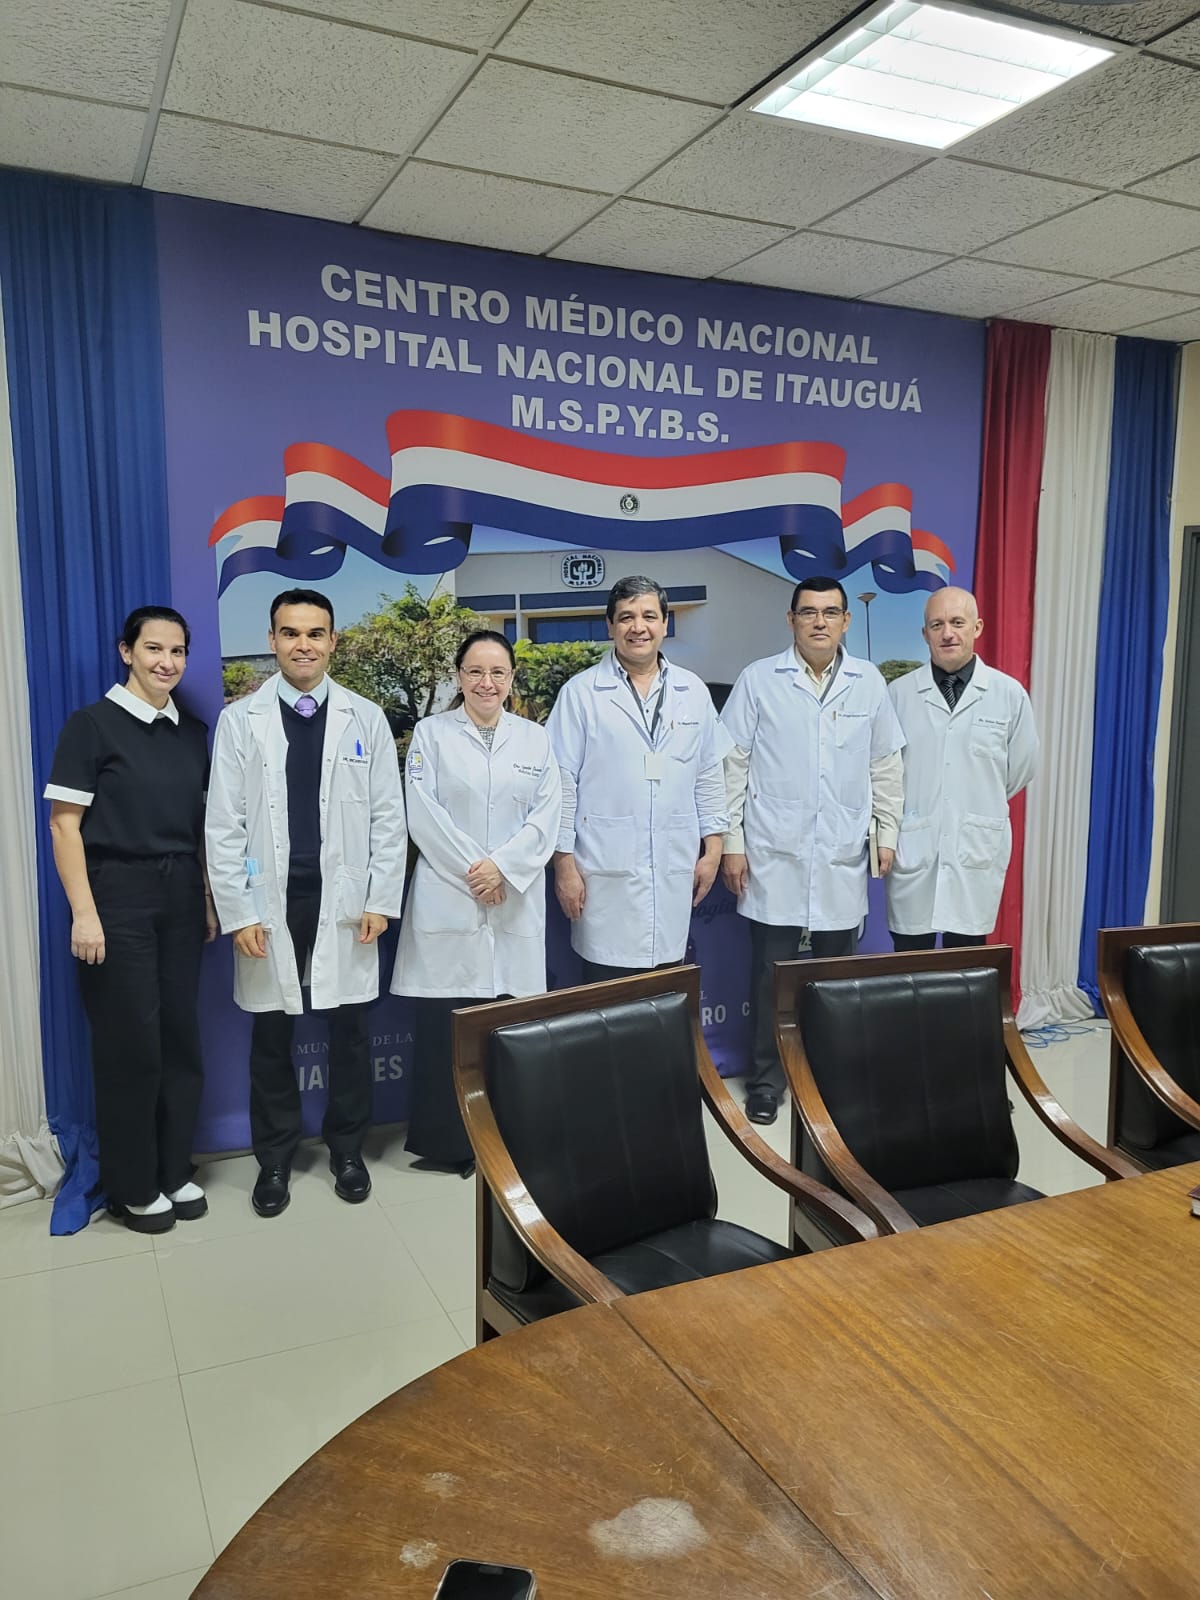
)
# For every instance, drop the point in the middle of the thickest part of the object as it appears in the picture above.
(928, 941)
(141, 1005)
(274, 1089)
(769, 944)
(435, 1124)
(593, 972)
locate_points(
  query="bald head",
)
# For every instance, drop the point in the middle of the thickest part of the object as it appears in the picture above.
(952, 625)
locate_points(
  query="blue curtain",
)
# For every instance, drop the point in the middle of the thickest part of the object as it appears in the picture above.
(78, 275)
(1133, 621)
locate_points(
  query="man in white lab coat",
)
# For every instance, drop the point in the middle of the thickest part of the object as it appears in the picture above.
(970, 746)
(306, 855)
(816, 756)
(639, 748)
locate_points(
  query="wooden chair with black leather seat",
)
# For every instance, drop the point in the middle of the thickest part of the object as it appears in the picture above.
(593, 1180)
(1149, 981)
(897, 1069)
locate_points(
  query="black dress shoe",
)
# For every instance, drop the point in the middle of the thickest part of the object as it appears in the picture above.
(352, 1181)
(271, 1195)
(762, 1105)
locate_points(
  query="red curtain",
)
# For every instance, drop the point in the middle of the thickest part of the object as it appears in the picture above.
(1018, 360)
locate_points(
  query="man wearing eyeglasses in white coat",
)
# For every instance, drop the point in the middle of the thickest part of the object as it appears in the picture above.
(816, 757)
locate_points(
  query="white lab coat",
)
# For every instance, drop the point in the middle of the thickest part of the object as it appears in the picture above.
(808, 792)
(961, 768)
(363, 846)
(636, 839)
(465, 803)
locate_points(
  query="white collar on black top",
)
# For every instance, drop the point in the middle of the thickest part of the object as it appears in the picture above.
(139, 708)
(289, 693)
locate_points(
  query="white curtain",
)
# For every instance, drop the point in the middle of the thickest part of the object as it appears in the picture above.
(1066, 601)
(30, 1166)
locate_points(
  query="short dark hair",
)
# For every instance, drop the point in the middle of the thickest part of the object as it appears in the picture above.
(819, 586)
(302, 597)
(628, 588)
(136, 620)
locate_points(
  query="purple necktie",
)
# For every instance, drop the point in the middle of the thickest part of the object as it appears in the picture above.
(306, 706)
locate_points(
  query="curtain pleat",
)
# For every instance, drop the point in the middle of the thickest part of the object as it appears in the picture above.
(1070, 560)
(1018, 359)
(1133, 619)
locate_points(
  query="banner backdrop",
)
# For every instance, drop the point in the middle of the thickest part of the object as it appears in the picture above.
(353, 410)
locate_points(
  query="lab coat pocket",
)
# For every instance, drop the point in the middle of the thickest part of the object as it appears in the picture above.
(438, 906)
(981, 840)
(914, 848)
(351, 895)
(257, 884)
(606, 845)
(356, 832)
(683, 843)
(989, 740)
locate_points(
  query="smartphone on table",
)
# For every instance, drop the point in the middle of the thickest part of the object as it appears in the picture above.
(482, 1580)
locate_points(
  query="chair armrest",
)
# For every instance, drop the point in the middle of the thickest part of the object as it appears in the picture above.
(1145, 1063)
(1055, 1117)
(496, 1168)
(883, 1208)
(740, 1131)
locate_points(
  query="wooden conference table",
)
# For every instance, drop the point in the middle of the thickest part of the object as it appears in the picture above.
(1004, 1408)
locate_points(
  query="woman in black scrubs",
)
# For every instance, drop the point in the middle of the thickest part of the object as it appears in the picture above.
(126, 819)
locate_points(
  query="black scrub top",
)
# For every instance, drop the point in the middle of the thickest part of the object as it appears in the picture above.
(143, 782)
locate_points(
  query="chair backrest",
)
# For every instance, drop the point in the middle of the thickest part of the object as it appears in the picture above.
(1162, 986)
(911, 1067)
(601, 1113)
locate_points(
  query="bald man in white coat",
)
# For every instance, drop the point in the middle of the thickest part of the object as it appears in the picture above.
(969, 746)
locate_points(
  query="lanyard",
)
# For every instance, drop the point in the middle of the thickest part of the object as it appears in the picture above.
(651, 727)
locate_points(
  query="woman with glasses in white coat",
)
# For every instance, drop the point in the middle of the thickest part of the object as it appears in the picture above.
(484, 801)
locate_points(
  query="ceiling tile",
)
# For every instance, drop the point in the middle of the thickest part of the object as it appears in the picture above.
(1181, 183)
(534, 124)
(1099, 128)
(949, 205)
(1183, 43)
(1133, 23)
(277, 70)
(823, 264)
(472, 23)
(54, 134)
(977, 289)
(649, 238)
(1105, 308)
(1111, 235)
(1185, 329)
(689, 47)
(477, 208)
(752, 166)
(101, 49)
(1180, 272)
(264, 169)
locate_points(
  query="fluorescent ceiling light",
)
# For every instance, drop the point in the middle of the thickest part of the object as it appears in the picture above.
(928, 74)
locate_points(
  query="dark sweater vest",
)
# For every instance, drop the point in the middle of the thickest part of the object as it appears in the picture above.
(306, 743)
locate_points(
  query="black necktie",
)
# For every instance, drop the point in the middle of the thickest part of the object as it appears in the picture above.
(952, 688)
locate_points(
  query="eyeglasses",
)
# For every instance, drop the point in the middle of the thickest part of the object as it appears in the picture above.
(810, 613)
(478, 674)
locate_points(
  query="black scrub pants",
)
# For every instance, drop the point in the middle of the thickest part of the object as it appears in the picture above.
(141, 1005)
(274, 1088)
(435, 1124)
(594, 972)
(928, 941)
(769, 944)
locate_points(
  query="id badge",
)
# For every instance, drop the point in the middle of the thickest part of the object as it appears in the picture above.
(656, 765)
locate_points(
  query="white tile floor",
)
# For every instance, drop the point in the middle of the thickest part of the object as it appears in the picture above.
(152, 1394)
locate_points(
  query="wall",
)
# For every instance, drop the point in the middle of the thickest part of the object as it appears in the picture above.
(1185, 513)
